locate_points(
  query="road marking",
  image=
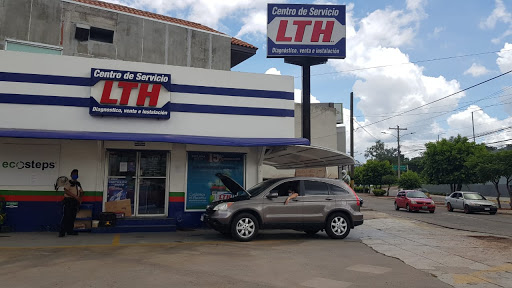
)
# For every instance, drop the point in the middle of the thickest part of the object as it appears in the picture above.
(116, 240)
(481, 276)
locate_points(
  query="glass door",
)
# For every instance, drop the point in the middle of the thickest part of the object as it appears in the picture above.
(140, 177)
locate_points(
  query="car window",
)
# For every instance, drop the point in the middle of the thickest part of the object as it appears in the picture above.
(454, 195)
(282, 189)
(416, 194)
(315, 188)
(473, 196)
(336, 190)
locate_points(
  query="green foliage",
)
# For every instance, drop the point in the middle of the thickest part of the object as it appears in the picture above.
(379, 152)
(375, 170)
(379, 192)
(389, 180)
(409, 180)
(444, 162)
(358, 189)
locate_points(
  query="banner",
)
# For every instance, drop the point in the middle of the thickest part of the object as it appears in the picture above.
(203, 186)
(29, 165)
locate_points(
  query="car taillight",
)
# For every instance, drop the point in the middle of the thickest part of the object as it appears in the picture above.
(357, 197)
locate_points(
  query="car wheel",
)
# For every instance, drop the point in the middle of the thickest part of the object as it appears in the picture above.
(408, 208)
(466, 209)
(396, 207)
(449, 207)
(432, 211)
(492, 213)
(244, 227)
(311, 232)
(337, 226)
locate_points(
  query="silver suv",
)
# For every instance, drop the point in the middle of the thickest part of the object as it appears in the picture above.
(321, 204)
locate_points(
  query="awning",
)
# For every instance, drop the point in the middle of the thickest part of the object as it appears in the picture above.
(300, 156)
(146, 137)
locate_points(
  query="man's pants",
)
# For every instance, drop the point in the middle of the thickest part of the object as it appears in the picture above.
(69, 210)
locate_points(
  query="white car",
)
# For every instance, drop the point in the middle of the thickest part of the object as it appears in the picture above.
(469, 202)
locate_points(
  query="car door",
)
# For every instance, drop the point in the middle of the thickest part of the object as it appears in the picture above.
(316, 202)
(400, 199)
(459, 201)
(275, 214)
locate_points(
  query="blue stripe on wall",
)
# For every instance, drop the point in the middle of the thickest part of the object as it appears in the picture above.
(179, 88)
(175, 107)
(232, 110)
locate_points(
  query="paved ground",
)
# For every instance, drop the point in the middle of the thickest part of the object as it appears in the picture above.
(499, 224)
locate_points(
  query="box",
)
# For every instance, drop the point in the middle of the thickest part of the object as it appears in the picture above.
(107, 219)
(83, 225)
(85, 213)
(121, 206)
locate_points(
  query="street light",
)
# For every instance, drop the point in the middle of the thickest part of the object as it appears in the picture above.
(398, 140)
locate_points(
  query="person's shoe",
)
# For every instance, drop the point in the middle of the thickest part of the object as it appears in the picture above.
(61, 234)
(73, 233)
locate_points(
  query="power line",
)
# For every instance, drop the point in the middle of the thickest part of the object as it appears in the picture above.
(421, 106)
(365, 130)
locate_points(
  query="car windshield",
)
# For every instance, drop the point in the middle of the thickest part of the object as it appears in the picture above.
(260, 187)
(416, 194)
(473, 196)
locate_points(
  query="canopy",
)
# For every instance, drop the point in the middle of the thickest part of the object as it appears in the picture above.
(300, 156)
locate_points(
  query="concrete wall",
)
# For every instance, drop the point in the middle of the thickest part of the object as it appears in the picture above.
(135, 38)
(484, 189)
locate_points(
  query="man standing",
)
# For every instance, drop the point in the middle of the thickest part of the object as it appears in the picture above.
(72, 198)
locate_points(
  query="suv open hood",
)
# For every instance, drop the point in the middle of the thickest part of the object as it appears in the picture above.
(231, 184)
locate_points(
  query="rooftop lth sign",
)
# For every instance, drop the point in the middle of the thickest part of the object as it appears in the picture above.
(295, 30)
(306, 35)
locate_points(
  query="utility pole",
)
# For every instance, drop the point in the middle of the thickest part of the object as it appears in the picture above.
(473, 122)
(352, 132)
(398, 138)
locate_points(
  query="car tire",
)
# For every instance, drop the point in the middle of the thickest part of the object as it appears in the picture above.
(311, 232)
(449, 207)
(492, 213)
(408, 208)
(244, 227)
(432, 211)
(466, 209)
(396, 207)
(337, 226)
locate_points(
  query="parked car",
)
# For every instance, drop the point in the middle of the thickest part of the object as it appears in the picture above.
(469, 202)
(414, 200)
(322, 204)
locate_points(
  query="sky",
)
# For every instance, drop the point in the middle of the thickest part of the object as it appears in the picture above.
(401, 56)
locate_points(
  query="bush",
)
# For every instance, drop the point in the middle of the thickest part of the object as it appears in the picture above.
(379, 192)
(358, 189)
(409, 180)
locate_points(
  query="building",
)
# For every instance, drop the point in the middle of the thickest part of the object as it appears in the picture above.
(143, 105)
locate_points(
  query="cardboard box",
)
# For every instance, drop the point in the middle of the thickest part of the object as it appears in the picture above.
(121, 206)
(84, 214)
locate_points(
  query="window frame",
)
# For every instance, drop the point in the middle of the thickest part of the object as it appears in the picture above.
(33, 44)
(305, 189)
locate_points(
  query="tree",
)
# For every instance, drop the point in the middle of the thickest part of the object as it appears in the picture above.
(379, 152)
(415, 164)
(444, 162)
(505, 160)
(409, 180)
(375, 170)
(389, 180)
(488, 168)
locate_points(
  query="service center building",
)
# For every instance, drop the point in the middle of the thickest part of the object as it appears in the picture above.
(154, 131)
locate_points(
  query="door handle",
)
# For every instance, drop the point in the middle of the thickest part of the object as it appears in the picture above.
(329, 199)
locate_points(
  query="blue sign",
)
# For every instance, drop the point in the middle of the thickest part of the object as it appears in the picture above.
(300, 30)
(203, 186)
(130, 94)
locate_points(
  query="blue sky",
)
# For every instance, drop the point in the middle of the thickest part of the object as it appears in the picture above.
(396, 34)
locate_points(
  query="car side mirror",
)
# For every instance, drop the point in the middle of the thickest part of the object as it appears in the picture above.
(272, 195)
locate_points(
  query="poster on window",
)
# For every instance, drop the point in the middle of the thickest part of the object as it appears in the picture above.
(117, 189)
(203, 186)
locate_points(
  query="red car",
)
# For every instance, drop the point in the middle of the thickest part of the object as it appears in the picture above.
(414, 200)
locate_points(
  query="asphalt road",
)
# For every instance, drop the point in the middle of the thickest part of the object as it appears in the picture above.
(475, 222)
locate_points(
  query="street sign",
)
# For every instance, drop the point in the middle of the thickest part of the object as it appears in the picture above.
(402, 167)
(306, 31)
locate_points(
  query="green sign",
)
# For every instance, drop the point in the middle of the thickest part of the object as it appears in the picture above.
(11, 204)
(402, 167)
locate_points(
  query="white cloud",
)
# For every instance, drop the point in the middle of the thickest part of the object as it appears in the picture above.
(273, 71)
(476, 70)
(499, 14)
(504, 60)
(385, 91)
(436, 32)
(298, 97)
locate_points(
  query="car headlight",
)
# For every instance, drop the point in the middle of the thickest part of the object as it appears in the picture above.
(222, 206)
(413, 202)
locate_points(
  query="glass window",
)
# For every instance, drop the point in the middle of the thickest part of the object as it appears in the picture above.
(336, 190)
(416, 194)
(153, 164)
(32, 48)
(473, 196)
(121, 163)
(315, 188)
